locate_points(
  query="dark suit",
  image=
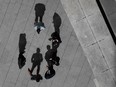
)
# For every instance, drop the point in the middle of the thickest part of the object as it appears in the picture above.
(36, 60)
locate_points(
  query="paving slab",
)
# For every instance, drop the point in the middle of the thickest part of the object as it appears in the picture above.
(84, 32)
(98, 26)
(89, 7)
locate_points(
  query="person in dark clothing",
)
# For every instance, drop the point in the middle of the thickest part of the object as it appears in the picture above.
(50, 72)
(39, 12)
(51, 55)
(22, 42)
(48, 54)
(55, 58)
(21, 60)
(36, 60)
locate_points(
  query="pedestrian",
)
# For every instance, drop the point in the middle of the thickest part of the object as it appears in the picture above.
(39, 12)
(48, 54)
(36, 60)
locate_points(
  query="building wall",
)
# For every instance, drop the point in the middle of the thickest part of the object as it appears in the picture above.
(109, 7)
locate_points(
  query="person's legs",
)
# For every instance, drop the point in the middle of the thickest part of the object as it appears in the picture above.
(54, 54)
(41, 17)
(57, 59)
(36, 17)
(38, 69)
(47, 60)
(33, 66)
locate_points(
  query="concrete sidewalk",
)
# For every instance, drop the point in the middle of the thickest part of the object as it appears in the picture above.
(17, 16)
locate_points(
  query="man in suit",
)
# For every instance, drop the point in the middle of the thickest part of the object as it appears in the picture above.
(48, 54)
(36, 60)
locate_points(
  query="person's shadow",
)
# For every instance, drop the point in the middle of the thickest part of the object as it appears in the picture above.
(21, 60)
(36, 60)
(22, 44)
(36, 77)
(57, 22)
(39, 12)
(55, 36)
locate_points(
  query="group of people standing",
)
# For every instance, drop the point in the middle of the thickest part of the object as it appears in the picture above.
(51, 54)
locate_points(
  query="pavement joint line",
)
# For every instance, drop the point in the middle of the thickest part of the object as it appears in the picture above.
(97, 42)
